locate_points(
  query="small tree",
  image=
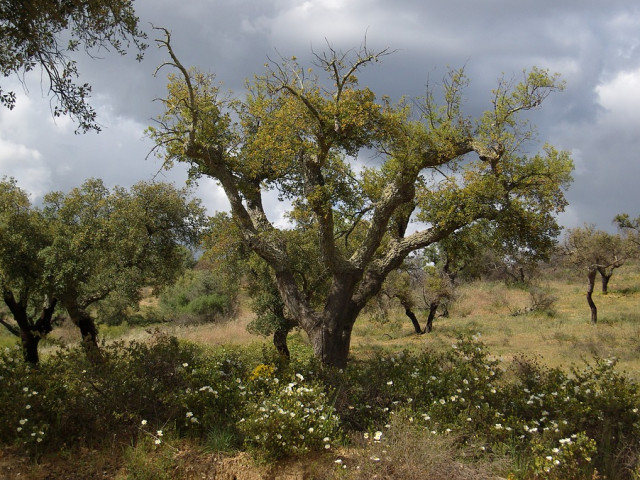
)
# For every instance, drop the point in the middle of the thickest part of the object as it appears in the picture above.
(44, 33)
(631, 228)
(108, 243)
(595, 251)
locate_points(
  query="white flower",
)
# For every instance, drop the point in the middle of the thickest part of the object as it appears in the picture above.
(158, 441)
(310, 429)
(390, 382)
(143, 422)
(28, 407)
(185, 364)
(377, 436)
(189, 414)
(159, 433)
(327, 446)
(23, 421)
(325, 439)
(299, 377)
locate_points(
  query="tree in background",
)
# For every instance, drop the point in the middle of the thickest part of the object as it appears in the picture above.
(115, 242)
(419, 285)
(631, 228)
(44, 33)
(595, 251)
(301, 137)
(199, 295)
(25, 290)
(89, 245)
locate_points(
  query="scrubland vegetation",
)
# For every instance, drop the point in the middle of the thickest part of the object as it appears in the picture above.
(496, 390)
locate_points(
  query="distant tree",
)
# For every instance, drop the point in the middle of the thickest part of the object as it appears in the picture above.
(630, 227)
(44, 33)
(108, 243)
(418, 286)
(595, 251)
(29, 297)
(299, 136)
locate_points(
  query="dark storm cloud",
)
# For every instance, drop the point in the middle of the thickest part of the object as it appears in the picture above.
(594, 44)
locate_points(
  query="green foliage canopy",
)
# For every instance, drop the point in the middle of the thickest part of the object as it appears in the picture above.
(301, 136)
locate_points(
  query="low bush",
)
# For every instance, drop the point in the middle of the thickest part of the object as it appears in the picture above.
(547, 422)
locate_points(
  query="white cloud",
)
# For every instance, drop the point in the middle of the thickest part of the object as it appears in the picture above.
(26, 166)
(621, 97)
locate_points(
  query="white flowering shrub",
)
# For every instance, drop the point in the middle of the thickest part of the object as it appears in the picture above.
(572, 458)
(291, 417)
(214, 395)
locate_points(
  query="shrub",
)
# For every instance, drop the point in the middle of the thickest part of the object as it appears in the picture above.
(199, 295)
(289, 417)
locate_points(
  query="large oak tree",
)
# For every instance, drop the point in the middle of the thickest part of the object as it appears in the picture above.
(305, 138)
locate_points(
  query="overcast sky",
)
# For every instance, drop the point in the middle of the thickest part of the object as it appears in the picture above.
(594, 44)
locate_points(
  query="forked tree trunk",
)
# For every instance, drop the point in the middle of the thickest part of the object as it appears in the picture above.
(31, 332)
(592, 305)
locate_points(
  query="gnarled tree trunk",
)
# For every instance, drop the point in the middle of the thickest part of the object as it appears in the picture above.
(31, 332)
(88, 330)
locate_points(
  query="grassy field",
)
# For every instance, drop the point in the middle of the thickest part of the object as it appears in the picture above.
(559, 339)
(491, 309)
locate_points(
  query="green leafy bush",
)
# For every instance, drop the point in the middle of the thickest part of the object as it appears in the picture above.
(199, 295)
(573, 423)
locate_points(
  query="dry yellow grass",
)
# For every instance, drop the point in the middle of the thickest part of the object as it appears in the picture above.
(559, 340)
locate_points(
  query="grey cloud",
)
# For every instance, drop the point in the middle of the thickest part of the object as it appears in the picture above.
(588, 41)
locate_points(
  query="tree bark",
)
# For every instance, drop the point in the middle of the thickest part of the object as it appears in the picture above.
(331, 341)
(605, 281)
(433, 307)
(414, 320)
(30, 341)
(280, 341)
(592, 305)
(30, 332)
(88, 329)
